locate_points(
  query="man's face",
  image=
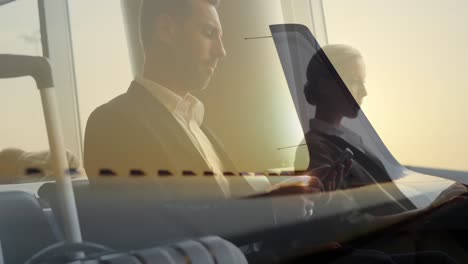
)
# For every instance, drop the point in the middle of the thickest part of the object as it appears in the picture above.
(354, 75)
(198, 45)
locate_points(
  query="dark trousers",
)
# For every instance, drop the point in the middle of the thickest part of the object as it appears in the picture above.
(451, 220)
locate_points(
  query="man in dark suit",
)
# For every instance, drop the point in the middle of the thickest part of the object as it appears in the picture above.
(157, 125)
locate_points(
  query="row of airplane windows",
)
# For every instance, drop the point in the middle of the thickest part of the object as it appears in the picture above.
(137, 172)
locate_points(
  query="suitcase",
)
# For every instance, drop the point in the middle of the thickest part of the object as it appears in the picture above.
(13, 66)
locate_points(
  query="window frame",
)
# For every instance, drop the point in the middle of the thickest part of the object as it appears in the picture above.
(58, 48)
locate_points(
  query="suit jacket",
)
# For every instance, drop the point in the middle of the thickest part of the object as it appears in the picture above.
(136, 131)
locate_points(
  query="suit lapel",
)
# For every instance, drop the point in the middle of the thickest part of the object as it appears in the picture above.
(159, 120)
(180, 148)
(228, 165)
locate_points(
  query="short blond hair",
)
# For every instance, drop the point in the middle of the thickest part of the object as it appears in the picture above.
(339, 55)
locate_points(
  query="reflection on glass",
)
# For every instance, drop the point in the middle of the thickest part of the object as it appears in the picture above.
(21, 110)
(197, 129)
(327, 137)
(123, 134)
(102, 66)
(24, 155)
(21, 113)
(425, 88)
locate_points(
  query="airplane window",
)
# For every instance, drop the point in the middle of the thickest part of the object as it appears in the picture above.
(415, 79)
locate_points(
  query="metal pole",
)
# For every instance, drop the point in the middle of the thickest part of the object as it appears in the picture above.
(12, 66)
(58, 154)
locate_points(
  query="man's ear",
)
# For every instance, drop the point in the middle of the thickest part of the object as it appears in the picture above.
(325, 86)
(166, 29)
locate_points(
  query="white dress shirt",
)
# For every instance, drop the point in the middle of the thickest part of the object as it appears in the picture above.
(189, 113)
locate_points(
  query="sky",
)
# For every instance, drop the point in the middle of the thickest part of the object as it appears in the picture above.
(414, 52)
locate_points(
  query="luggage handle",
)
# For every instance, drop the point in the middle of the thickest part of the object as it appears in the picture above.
(13, 66)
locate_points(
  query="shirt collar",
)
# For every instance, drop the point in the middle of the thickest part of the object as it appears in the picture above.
(187, 107)
(345, 133)
(323, 127)
(190, 108)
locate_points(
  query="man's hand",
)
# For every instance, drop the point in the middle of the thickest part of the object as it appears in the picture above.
(305, 184)
(321, 179)
(300, 207)
(331, 178)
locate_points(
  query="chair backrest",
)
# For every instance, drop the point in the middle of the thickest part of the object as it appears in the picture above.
(24, 229)
(132, 217)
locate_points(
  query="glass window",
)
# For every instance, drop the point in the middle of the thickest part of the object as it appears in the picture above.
(24, 146)
(415, 59)
(100, 53)
(21, 114)
(23, 133)
(20, 34)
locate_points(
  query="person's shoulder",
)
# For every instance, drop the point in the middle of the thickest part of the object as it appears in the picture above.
(118, 113)
(314, 136)
(118, 106)
(131, 97)
(107, 111)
